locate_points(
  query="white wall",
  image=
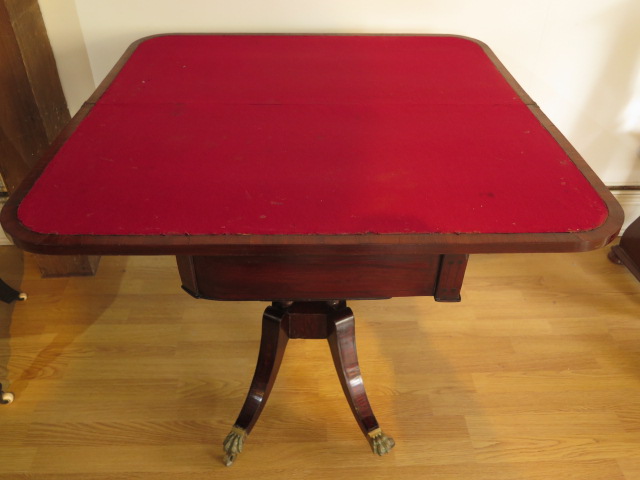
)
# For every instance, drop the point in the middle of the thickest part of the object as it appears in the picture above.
(67, 42)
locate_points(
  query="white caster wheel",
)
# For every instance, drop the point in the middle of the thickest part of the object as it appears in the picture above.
(7, 398)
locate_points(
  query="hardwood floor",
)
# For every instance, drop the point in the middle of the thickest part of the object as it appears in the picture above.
(535, 375)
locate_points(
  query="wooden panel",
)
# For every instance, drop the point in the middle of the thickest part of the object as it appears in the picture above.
(21, 118)
(13, 167)
(452, 268)
(628, 251)
(311, 277)
(34, 110)
(187, 274)
(67, 265)
(39, 65)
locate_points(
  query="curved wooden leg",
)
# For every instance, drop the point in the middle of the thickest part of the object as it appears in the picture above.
(272, 345)
(342, 340)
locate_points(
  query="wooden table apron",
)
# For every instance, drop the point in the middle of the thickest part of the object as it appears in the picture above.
(309, 274)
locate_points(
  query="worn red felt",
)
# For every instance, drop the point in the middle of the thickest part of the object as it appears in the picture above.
(313, 134)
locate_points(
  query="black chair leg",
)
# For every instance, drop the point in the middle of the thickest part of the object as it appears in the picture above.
(5, 397)
(8, 294)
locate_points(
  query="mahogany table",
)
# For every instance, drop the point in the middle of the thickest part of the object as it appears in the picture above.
(309, 170)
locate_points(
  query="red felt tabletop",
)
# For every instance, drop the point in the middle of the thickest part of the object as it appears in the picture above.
(310, 135)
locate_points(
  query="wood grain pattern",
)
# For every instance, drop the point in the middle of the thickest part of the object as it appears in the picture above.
(312, 277)
(534, 375)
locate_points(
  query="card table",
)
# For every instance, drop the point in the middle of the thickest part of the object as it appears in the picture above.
(308, 170)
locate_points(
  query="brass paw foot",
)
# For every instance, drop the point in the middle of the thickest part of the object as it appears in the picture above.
(380, 442)
(233, 444)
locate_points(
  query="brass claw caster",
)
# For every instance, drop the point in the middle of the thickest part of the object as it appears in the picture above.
(381, 444)
(233, 444)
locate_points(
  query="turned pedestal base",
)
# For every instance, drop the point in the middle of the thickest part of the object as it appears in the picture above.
(281, 321)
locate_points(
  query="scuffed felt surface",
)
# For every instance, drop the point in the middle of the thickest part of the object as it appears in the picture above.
(285, 69)
(310, 135)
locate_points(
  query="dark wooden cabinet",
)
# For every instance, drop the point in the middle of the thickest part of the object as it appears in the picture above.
(627, 252)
